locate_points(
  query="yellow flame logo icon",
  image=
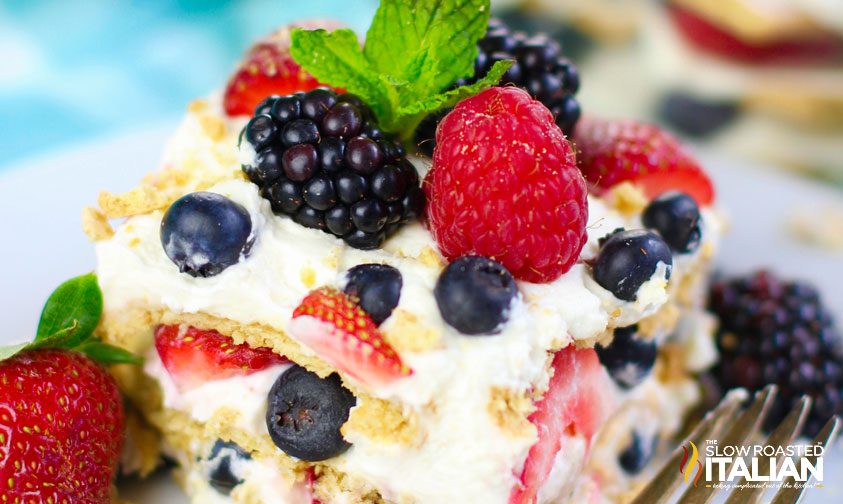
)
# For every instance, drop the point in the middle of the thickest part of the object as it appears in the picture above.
(686, 465)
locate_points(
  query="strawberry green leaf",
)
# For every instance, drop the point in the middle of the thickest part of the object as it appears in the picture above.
(11, 350)
(107, 354)
(336, 58)
(74, 307)
(431, 43)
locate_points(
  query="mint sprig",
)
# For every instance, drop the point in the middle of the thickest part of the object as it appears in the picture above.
(68, 321)
(414, 50)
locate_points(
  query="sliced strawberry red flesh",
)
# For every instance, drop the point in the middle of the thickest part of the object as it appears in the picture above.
(194, 356)
(576, 403)
(341, 333)
(819, 47)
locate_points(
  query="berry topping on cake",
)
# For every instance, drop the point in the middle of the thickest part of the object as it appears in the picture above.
(60, 428)
(204, 233)
(225, 466)
(539, 67)
(775, 331)
(333, 325)
(194, 356)
(676, 217)
(613, 151)
(376, 287)
(321, 159)
(475, 295)
(267, 69)
(575, 404)
(505, 185)
(305, 413)
(628, 259)
(629, 359)
(635, 457)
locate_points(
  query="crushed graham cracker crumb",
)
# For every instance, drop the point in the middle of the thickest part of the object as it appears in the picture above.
(95, 225)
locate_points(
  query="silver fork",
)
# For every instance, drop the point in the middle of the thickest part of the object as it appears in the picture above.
(730, 426)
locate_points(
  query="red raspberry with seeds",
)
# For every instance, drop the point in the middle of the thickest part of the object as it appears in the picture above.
(505, 185)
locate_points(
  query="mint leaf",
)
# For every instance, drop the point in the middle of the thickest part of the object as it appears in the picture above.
(107, 354)
(430, 43)
(336, 58)
(452, 97)
(11, 350)
(75, 303)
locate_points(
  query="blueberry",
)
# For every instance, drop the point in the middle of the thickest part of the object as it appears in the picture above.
(343, 120)
(224, 465)
(628, 358)
(300, 131)
(332, 154)
(389, 184)
(338, 220)
(300, 162)
(676, 217)
(635, 457)
(204, 233)
(260, 131)
(285, 196)
(363, 155)
(627, 259)
(305, 413)
(377, 286)
(365, 241)
(474, 295)
(319, 193)
(317, 102)
(286, 109)
(369, 215)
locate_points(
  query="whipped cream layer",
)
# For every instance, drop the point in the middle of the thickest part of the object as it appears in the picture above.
(465, 455)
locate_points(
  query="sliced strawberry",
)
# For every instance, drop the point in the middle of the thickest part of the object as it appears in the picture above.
(332, 324)
(268, 69)
(704, 34)
(614, 151)
(195, 356)
(575, 404)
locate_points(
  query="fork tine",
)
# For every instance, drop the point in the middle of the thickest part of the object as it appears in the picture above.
(788, 430)
(788, 493)
(660, 488)
(746, 424)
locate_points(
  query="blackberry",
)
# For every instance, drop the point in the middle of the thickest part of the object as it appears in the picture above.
(322, 160)
(772, 331)
(540, 68)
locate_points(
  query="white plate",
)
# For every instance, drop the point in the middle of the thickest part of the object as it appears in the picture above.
(41, 202)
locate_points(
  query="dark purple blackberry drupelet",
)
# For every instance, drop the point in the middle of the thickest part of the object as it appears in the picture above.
(540, 68)
(779, 332)
(322, 160)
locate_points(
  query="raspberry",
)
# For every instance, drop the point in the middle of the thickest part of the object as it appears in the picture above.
(540, 68)
(772, 331)
(321, 159)
(505, 185)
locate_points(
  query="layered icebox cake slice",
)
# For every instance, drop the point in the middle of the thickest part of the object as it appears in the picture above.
(327, 318)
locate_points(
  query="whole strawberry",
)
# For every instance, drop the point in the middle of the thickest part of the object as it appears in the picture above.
(61, 415)
(505, 185)
(268, 69)
(60, 428)
(614, 151)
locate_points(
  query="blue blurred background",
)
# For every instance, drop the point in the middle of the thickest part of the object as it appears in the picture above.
(78, 70)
